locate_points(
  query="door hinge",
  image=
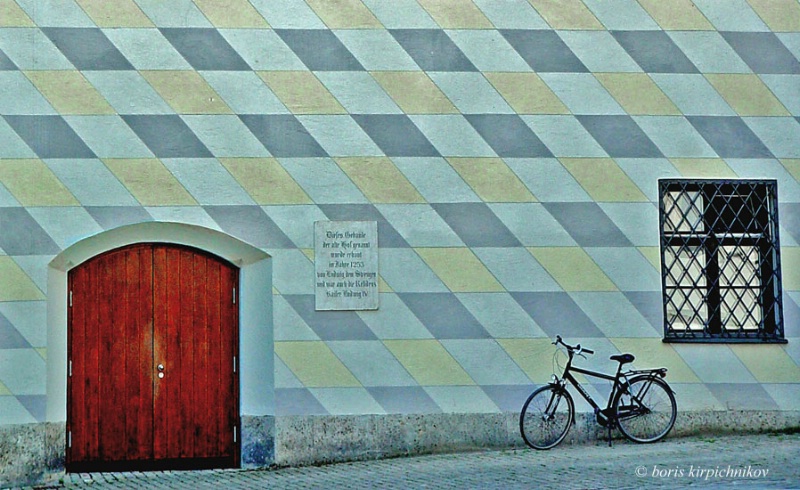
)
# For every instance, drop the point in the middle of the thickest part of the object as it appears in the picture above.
(69, 439)
(234, 364)
(70, 299)
(234, 433)
(234, 295)
(70, 368)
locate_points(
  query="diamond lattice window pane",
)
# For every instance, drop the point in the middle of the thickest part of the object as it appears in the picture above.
(683, 212)
(740, 309)
(720, 260)
(686, 309)
(685, 267)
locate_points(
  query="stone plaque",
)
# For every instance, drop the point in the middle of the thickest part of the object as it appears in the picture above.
(346, 265)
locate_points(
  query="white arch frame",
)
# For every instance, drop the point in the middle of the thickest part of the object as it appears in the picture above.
(256, 368)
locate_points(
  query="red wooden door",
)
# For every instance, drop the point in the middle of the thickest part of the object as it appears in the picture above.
(152, 348)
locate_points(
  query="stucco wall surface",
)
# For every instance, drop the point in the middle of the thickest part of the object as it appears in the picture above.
(509, 151)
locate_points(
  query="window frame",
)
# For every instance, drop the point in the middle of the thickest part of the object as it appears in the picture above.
(728, 232)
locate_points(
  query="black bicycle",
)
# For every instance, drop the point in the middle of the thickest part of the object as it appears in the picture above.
(641, 403)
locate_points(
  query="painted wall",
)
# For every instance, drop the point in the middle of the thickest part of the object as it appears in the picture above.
(509, 151)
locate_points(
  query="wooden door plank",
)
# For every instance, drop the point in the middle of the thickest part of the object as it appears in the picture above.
(104, 338)
(91, 360)
(137, 303)
(185, 326)
(222, 313)
(214, 358)
(160, 349)
(146, 360)
(127, 302)
(173, 362)
(228, 325)
(205, 437)
(112, 373)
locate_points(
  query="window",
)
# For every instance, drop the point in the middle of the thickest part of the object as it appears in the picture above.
(720, 259)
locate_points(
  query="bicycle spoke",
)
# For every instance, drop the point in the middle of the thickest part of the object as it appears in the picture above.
(546, 417)
(643, 408)
(646, 410)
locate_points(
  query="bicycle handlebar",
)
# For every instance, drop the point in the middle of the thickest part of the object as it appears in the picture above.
(572, 348)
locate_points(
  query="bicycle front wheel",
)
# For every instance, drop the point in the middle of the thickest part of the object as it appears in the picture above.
(646, 410)
(546, 417)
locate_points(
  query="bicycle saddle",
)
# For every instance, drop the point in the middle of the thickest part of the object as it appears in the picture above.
(623, 358)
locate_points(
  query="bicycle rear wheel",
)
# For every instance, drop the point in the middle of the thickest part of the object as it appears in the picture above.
(546, 417)
(646, 410)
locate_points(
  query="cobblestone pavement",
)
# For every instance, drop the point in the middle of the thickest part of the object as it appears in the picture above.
(762, 461)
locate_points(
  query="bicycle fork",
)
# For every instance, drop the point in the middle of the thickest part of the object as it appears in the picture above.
(552, 405)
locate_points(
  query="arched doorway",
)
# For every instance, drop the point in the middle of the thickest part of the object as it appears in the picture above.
(152, 352)
(255, 368)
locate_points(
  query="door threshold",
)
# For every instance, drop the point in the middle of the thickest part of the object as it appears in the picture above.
(173, 464)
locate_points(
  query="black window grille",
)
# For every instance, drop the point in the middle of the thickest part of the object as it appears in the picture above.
(720, 259)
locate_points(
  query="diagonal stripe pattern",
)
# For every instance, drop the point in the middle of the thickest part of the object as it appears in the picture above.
(509, 152)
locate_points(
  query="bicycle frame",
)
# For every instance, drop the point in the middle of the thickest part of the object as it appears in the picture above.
(617, 386)
(567, 375)
(634, 393)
